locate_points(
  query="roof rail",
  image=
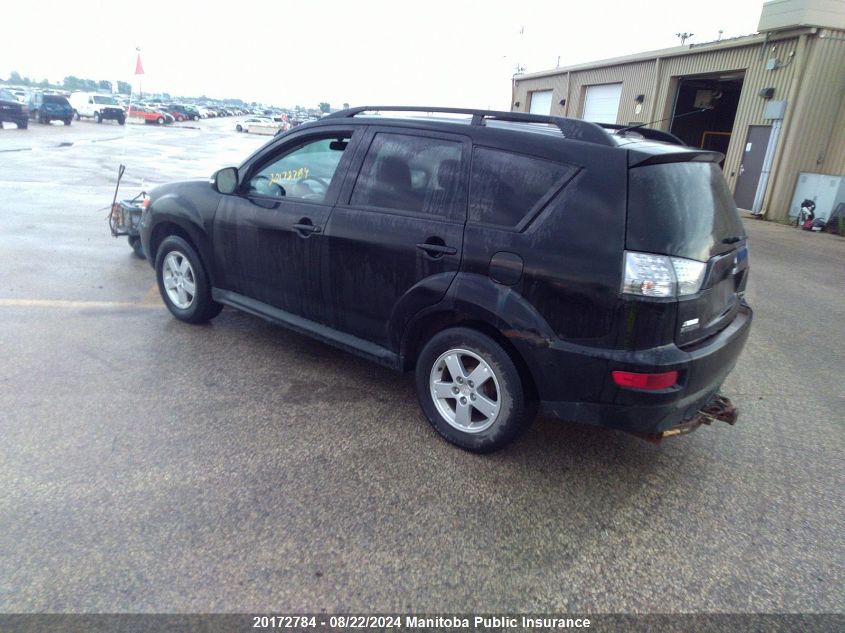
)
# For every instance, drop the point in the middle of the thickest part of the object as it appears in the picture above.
(645, 132)
(571, 128)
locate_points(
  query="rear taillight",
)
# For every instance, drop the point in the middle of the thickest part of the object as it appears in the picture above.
(634, 380)
(649, 275)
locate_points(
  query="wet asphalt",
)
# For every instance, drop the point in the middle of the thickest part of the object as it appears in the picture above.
(148, 465)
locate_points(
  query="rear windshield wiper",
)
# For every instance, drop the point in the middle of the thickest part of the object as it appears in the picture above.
(732, 240)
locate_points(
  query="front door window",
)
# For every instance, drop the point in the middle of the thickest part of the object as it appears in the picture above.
(304, 173)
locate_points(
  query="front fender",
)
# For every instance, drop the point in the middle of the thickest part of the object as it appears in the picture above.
(174, 208)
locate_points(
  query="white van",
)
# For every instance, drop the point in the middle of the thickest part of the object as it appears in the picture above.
(98, 106)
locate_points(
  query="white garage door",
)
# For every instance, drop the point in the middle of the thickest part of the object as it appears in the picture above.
(541, 102)
(601, 103)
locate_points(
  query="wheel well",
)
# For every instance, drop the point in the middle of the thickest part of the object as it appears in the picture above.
(442, 321)
(164, 230)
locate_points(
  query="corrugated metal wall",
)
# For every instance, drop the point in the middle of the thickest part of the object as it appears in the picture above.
(815, 141)
(811, 127)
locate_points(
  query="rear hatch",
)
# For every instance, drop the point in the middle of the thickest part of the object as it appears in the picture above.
(58, 105)
(679, 205)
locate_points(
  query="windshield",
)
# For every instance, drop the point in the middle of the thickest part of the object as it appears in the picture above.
(6, 95)
(682, 209)
(105, 100)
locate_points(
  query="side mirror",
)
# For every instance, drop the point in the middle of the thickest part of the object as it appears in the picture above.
(226, 180)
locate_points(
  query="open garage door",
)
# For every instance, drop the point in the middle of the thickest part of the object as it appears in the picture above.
(601, 103)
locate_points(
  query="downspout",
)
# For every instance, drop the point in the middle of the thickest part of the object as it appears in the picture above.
(568, 87)
(653, 112)
(797, 78)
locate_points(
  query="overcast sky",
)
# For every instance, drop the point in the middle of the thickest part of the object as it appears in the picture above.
(428, 52)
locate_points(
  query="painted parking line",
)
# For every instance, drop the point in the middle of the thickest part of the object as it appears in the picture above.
(75, 305)
(153, 297)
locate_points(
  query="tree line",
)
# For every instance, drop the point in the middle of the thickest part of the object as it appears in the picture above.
(70, 83)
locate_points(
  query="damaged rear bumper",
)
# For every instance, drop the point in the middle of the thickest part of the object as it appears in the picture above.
(718, 409)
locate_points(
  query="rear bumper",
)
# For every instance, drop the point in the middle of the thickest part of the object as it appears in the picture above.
(113, 114)
(702, 369)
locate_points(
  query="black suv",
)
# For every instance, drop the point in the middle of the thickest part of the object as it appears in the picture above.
(514, 261)
(13, 111)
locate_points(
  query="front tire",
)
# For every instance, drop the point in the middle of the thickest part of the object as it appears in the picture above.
(471, 391)
(137, 247)
(98, 117)
(76, 115)
(160, 121)
(183, 282)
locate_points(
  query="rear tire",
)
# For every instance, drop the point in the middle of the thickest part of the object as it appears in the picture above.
(160, 121)
(491, 407)
(183, 282)
(137, 246)
(122, 121)
(68, 120)
(76, 115)
(239, 128)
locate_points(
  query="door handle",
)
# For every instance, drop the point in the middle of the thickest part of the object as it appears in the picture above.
(306, 228)
(437, 250)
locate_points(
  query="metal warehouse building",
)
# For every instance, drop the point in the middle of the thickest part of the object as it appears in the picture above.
(772, 102)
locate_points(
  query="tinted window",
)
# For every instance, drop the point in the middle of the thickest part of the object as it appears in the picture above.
(55, 99)
(304, 173)
(682, 209)
(411, 173)
(506, 186)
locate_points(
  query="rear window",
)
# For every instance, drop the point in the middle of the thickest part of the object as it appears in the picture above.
(682, 209)
(6, 95)
(55, 99)
(506, 186)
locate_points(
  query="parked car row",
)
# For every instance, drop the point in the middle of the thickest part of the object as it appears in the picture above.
(44, 106)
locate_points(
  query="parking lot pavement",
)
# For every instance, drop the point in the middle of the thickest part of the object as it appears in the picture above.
(148, 465)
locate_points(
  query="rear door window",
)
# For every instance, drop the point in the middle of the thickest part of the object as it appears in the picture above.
(414, 174)
(683, 209)
(505, 187)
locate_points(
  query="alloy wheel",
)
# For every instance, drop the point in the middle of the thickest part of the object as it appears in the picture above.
(179, 280)
(465, 390)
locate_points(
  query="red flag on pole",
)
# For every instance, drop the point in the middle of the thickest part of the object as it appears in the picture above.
(139, 70)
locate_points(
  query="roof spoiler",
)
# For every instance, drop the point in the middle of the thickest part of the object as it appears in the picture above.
(575, 129)
(645, 132)
(638, 158)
